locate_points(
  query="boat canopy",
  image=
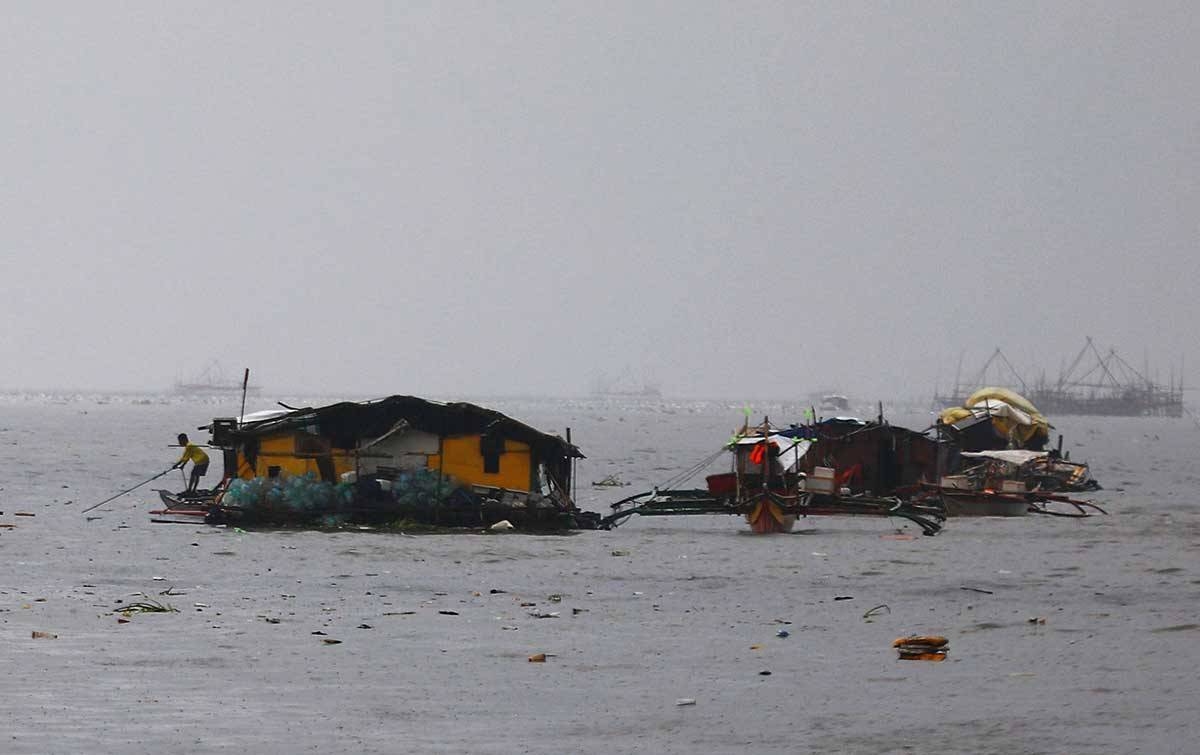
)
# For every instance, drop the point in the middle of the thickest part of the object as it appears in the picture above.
(791, 450)
(1014, 456)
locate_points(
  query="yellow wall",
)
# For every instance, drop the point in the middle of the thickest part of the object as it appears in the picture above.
(465, 464)
(280, 451)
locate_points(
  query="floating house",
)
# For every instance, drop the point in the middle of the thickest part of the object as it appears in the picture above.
(396, 455)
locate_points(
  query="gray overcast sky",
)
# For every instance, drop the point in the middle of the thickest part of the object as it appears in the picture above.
(730, 199)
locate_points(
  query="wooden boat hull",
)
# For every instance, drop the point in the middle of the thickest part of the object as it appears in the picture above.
(199, 513)
(177, 501)
(766, 517)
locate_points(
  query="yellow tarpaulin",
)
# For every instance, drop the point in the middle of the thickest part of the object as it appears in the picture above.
(1012, 415)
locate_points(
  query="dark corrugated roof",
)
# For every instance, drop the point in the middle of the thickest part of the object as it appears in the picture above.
(347, 422)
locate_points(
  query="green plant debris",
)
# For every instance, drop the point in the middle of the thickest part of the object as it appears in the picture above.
(145, 606)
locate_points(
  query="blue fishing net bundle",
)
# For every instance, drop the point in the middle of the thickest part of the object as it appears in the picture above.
(305, 499)
(247, 494)
(304, 496)
(421, 488)
(295, 498)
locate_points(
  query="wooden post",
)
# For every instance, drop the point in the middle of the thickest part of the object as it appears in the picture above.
(227, 475)
(245, 385)
(572, 485)
(937, 453)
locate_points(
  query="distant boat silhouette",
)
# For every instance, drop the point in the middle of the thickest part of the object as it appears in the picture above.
(625, 385)
(211, 382)
(647, 391)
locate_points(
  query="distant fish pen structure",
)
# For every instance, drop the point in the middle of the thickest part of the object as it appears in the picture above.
(1094, 384)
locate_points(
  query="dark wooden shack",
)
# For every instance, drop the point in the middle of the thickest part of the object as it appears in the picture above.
(873, 458)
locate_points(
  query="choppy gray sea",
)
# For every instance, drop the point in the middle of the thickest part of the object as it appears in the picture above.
(1066, 636)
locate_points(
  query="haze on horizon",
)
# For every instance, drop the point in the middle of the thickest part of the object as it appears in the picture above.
(723, 199)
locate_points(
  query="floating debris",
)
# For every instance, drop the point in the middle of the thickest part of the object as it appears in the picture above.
(611, 481)
(922, 647)
(872, 611)
(145, 606)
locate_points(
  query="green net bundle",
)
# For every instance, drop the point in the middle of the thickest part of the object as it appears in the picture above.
(421, 488)
(305, 499)
(302, 498)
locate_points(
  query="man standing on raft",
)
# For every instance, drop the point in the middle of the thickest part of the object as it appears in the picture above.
(199, 459)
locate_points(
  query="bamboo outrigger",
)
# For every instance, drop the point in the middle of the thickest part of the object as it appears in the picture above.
(848, 466)
(768, 486)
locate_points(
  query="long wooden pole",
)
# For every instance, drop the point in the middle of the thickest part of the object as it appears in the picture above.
(572, 485)
(127, 490)
(245, 385)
